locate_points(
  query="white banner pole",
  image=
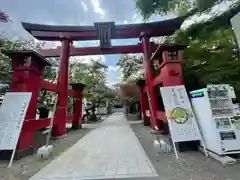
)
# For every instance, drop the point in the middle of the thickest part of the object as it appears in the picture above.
(175, 150)
(12, 157)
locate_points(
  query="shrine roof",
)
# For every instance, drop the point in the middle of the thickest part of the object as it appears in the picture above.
(34, 54)
(53, 32)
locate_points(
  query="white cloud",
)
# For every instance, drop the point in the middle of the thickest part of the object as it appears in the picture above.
(93, 43)
(112, 68)
(113, 76)
(74, 43)
(50, 44)
(125, 21)
(84, 6)
(134, 16)
(137, 18)
(100, 58)
(97, 9)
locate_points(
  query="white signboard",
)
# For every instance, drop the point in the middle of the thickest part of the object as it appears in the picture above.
(12, 114)
(181, 120)
(235, 21)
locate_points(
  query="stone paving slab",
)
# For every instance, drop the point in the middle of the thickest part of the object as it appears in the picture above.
(110, 151)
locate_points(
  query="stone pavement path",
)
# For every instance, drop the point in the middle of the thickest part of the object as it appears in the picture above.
(110, 151)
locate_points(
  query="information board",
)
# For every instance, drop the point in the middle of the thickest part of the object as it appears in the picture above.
(182, 123)
(181, 120)
(12, 114)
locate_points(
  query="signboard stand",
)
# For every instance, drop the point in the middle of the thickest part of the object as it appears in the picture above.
(12, 156)
(175, 150)
(11, 121)
(151, 111)
(181, 119)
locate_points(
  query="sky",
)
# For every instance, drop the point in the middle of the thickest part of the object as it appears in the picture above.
(74, 12)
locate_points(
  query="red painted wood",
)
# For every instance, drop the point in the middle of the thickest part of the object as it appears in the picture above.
(143, 103)
(147, 52)
(77, 112)
(165, 47)
(145, 89)
(69, 118)
(32, 124)
(96, 50)
(160, 115)
(49, 86)
(61, 113)
(77, 33)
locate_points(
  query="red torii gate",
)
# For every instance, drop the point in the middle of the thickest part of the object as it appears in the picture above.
(170, 69)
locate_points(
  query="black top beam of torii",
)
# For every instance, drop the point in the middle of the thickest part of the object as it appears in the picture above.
(80, 33)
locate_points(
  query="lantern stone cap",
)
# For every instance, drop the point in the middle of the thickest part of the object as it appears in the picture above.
(34, 54)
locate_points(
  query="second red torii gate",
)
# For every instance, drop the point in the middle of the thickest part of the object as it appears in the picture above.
(104, 32)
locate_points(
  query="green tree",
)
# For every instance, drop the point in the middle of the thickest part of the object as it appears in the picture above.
(91, 74)
(180, 7)
(212, 55)
(129, 64)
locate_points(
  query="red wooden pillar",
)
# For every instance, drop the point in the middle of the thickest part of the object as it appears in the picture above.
(152, 95)
(143, 104)
(28, 67)
(61, 113)
(77, 109)
(143, 101)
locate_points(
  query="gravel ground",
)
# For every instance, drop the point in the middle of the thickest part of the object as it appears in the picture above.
(26, 167)
(190, 166)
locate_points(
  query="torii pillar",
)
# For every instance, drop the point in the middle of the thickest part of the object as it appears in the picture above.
(77, 107)
(61, 113)
(149, 71)
(143, 102)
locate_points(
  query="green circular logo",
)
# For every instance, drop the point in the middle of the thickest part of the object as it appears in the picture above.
(180, 115)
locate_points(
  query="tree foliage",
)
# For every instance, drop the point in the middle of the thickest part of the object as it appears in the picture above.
(180, 7)
(129, 64)
(91, 73)
(212, 55)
